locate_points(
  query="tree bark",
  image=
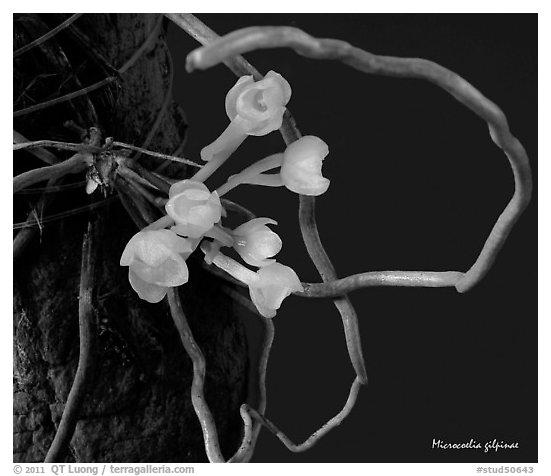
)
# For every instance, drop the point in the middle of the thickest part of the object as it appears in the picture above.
(138, 406)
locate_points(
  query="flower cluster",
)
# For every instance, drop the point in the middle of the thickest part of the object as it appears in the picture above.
(156, 256)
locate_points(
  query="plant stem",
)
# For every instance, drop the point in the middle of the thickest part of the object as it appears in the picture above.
(249, 173)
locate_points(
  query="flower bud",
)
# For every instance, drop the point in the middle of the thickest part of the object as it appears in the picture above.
(259, 105)
(193, 207)
(275, 282)
(301, 168)
(156, 261)
(254, 108)
(255, 242)
(268, 287)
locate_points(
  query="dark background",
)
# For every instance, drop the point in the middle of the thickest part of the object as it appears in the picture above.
(416, 184)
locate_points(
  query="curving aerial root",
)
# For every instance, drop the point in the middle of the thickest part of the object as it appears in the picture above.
(87, 332)
(254, 38)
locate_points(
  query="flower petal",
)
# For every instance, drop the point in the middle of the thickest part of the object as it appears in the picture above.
(251, 104)
(275, 282)
(176, 243)
(172, 272)
(144, 246)
(255, 242)
(146, 291)
(283, 84)
(183, 185)
(195, 210)
(259, 246)
(253, 224)
(150, 250)
(128, 254)
(301, 168)
(233, 93)
(262, 309)
(273, 123)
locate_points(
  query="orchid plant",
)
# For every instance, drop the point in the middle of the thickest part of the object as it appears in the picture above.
(194, 214)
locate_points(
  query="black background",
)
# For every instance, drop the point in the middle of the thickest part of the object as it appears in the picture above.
(416, 184)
